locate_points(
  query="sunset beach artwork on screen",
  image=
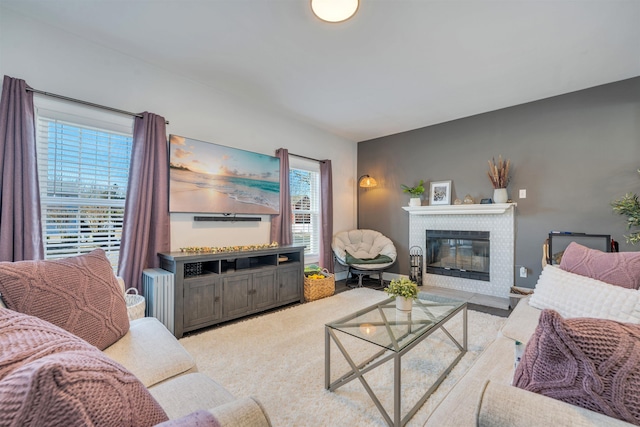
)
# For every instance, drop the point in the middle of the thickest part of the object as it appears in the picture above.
(212, 178)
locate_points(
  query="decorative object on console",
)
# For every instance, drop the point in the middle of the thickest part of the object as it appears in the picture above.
(223, 249)
(440, 193)
(211, 178)
(586, 362)
(457, 202)
(499, 177)
(415, 193)
(468, 200)
(629, 206)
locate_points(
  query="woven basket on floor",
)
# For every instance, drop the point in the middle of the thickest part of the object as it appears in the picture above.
(135, 304)
(319, 288)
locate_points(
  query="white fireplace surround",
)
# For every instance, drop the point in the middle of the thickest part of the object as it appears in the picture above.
(498, 219)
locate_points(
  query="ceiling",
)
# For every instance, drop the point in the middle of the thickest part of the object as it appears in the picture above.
(397, 65)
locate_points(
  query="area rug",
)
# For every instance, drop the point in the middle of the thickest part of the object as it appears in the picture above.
(278, 358)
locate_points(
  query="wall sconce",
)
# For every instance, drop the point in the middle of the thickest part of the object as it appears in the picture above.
(365, 181)
(334, 10)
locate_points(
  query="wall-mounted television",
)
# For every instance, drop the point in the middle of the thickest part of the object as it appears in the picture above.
(211, 178)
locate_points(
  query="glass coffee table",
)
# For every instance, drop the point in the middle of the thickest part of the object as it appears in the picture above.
(396, 333)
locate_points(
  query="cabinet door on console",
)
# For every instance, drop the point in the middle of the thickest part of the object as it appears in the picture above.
(236, 295)
(265, 289)
(290, 281)
(201, 301)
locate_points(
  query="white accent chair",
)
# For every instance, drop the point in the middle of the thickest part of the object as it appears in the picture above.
(364, 252)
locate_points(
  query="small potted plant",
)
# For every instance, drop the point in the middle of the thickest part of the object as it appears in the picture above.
(415, 193)
(405, 291)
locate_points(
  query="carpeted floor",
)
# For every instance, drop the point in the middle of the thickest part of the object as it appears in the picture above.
(279, 359)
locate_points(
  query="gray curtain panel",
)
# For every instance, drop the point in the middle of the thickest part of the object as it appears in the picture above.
(20, 230)
(326, 213)
(146, 227)
(281, 224)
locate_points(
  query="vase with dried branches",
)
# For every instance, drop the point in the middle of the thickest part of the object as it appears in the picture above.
(499, 177)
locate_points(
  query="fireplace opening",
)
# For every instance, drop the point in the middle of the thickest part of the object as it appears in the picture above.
(458, 253)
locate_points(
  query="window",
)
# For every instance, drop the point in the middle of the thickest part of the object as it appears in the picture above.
(83, 168)
(304, 184)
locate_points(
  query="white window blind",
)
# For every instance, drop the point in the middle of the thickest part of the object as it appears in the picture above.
(304, 183)
(83, 173)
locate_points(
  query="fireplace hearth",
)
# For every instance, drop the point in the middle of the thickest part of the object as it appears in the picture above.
(459, 253)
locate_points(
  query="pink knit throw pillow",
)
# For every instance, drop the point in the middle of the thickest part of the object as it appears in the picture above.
(615, 268)
(80, 294)
(591, 363)
(49, 377)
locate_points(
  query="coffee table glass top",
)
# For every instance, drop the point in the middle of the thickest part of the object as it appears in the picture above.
(382, 324)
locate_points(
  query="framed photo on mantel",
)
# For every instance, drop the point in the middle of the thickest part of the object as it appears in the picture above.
(440, 193)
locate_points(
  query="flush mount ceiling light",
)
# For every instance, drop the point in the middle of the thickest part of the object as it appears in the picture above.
(334, 10)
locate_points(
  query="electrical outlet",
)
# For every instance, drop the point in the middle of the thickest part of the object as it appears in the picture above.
(523, 194)
(523, 270)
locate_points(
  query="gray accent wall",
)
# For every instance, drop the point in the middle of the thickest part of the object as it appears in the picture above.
(574, 154)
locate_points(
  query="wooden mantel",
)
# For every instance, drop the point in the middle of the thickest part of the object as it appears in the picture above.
(475, 209)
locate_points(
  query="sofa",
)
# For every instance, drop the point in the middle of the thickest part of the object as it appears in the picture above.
(171, 375)
(144, 371)
(485, 396)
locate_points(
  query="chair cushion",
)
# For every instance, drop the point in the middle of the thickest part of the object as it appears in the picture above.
(591, 363)
(80, 294)
(616, 268)
(380, 259)
(50, 377)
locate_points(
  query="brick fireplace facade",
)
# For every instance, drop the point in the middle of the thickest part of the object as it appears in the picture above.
(498, 219)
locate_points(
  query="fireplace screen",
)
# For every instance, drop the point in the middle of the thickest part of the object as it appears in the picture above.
(458, 253)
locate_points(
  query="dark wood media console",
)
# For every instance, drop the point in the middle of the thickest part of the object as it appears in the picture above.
(211, 288)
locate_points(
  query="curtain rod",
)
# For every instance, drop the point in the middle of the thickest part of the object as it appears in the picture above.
(91, 104)
(308, 158)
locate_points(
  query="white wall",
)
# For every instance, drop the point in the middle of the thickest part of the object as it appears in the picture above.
(56, 61)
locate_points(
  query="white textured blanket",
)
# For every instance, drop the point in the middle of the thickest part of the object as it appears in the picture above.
(573, 295)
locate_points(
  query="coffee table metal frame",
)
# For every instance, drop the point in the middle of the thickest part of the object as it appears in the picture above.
(358, 370)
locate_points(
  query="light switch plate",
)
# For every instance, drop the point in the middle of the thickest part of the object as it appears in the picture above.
(523, 194)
